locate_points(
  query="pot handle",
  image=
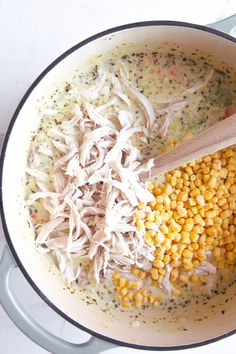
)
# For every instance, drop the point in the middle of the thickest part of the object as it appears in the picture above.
(228, 25)
(31, 328)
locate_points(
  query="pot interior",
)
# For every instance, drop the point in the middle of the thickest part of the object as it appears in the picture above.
(159, 327)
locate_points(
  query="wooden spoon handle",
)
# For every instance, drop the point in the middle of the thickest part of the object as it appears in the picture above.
(219, 136)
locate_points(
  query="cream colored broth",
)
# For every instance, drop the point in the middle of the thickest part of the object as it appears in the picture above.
(161, 76)
(168, 72)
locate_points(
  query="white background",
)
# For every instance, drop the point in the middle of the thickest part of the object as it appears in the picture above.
(32, 34)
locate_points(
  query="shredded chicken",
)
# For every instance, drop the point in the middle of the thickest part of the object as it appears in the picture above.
(95, 190)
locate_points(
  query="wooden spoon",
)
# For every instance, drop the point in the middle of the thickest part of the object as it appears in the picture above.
(219, 136)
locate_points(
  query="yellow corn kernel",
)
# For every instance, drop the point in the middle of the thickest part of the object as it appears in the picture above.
(150, 216)
(142, 205)
(150, 186)
(164, 229)
(181, 211)
(185, 176)
(155, 303)
(134, 271)
(174, 248)
(212, 182)
(185, 237)
(142, 274)
(195, 192)
(166, 259)
(231, 167)
(183, 278)
(151, 299)
(217, 165)
(188, 265)
(175, 256)
(196, 263)
(216, 252)
(200, 200)
(158, 263)
(128, 297)
(116, 275)
(211, 231)
(159, 199)
(195, 246)
(174, 274)
(175, 263)
(206, 170)
(230, 256)
(151, 233)
(229, 247)
(202, 212)
(191, 202)
(194, 278)
(154, 273)
(173, 196)
(157, 218)
(220, 265)
(202, 240)
(213, 200)
(233, 188)
(130, 284)
(139, 224)
(222, 201)
(124, 291)
(209, 241)
(144, 292)
(202, 188)
(137, 304)
(183, 196)
(198, 220)
(201, 254)
(214, 172)
(228, 152)
(176, 292)
(162, 271)
(136, 285)
(223, 173)
(207, 195)
(177, 237)
(194, 210)
(225, 206)
(157, 192)
(150, 225)
(198, 229)
(173, 181)
(193, 236)
(116, 282)
(174, 227)
(187, 253)
(152, 204)
(226, 214)
(147, 238)
(168, 189)
(171, 236)
(173, 204)
(166, 243)
(210, 214)
(122, 282)
(181, 247)
(206, 178)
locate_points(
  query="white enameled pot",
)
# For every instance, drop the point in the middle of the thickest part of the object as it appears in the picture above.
(112, 327)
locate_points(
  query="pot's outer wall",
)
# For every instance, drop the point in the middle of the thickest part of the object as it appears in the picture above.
(41, 273)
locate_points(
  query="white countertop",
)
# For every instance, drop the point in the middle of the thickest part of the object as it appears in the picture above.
(32, 34)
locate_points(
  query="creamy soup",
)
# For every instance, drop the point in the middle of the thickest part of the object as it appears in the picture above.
(90, 211)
